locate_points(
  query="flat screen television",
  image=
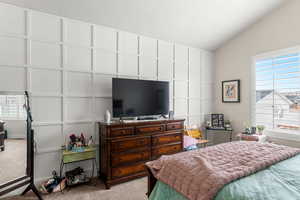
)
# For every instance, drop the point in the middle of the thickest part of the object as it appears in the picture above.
(133, 98)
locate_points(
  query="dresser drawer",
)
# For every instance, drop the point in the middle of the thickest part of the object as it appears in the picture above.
(149, 129)
(130, 143)
(174, 126)
(127, 170)
(166, 138)
(164, 150)
(123, 158)
(114, 132)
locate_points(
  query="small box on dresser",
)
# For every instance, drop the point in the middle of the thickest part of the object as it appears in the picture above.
(126, 147)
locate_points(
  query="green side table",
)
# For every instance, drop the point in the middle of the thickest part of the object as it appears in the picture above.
(72, 157)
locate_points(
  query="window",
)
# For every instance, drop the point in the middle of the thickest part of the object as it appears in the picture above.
(11, 107)
(277, 87)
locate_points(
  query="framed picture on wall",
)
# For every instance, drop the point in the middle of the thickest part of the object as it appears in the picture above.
(231, 91)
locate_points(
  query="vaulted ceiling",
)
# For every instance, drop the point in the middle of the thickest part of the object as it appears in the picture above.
(201, 23)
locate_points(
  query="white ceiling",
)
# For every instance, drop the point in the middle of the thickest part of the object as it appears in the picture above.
(201, 23)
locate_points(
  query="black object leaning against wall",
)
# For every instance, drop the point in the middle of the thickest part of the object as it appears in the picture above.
(28, 179)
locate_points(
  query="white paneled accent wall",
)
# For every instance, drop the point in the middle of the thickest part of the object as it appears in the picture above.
(68, 65)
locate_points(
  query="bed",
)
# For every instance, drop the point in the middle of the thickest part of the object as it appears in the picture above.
(277, 180)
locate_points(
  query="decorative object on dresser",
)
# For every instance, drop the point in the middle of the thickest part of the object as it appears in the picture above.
(126, 147)
(227, 125)
(171, 114)
(247, 128)
(215, 121)
(231, 91)
(107, 116)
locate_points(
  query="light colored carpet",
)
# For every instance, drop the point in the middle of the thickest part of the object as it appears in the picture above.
(132, 190)
(13, 160)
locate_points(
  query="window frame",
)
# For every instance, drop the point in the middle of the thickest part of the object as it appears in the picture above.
(18, 117)
(252, 91)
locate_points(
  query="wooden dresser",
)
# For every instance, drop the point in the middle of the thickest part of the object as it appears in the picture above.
(126, 147)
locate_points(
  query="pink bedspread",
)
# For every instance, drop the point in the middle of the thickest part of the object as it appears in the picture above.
(200, 174)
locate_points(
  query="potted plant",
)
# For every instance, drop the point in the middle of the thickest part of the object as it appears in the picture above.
(260, 129)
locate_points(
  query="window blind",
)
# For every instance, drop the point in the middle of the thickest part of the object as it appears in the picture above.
(11, 107)
(277, 88)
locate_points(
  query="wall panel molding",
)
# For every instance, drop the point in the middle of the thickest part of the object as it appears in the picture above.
(67, 66)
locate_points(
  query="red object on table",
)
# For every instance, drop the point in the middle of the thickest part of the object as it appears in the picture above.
(254, 137)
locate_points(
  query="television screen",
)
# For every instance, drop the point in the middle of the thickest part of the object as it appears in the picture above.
(132, 98)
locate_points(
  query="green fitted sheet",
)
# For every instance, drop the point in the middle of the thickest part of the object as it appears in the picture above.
(278, 182)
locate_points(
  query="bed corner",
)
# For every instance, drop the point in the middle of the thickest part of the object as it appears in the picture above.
(151, 181)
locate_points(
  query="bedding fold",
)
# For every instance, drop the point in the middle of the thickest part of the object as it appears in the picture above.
(200, 174)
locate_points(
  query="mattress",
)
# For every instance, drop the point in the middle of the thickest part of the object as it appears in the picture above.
(277, 182)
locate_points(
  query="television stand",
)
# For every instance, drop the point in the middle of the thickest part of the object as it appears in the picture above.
(126, 147)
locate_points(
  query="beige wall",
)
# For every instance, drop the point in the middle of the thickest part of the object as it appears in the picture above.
(278, 30)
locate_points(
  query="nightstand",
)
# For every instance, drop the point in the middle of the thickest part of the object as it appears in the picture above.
(217, 136)
(254, 137)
